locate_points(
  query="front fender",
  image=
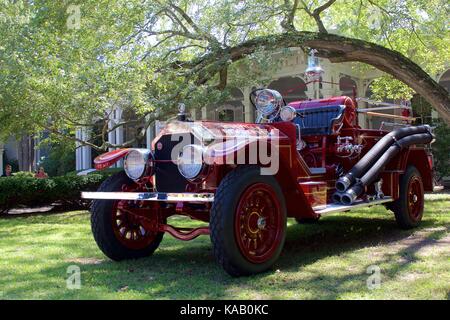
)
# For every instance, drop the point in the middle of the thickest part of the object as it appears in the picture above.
(107, 159)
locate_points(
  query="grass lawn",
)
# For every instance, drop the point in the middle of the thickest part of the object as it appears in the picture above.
(328, 260)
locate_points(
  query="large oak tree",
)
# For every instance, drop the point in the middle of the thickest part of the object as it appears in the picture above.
(67, 65)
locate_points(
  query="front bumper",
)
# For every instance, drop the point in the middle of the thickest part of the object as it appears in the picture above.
(151, 196)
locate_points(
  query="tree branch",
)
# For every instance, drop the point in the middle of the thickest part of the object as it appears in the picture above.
(315, 14)
(288, 21)
(337, 49)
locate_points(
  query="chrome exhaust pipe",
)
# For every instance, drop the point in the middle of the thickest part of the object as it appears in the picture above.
(343, 184)
(337, 197)
(349, 197)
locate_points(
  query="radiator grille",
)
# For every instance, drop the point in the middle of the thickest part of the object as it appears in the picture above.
(167, 176)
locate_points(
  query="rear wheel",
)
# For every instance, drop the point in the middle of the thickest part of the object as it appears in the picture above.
(248, 221)
(119, 233)
(408, 208)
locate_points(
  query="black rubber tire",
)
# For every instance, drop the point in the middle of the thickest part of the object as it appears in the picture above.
(101, 224)
(400, 206)
(225, 248)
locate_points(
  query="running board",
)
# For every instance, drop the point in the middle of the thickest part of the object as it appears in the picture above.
(333, 207)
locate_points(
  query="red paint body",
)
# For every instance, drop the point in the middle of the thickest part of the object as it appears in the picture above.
(294, 172)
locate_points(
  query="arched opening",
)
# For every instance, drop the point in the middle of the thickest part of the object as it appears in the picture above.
(225, 115)
(347, 86)
(229, 111)
(291, 88)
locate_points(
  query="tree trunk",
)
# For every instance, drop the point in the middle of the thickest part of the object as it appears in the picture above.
(342, 49)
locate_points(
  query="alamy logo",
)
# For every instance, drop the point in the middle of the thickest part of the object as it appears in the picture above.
(374, 280)
(73, 282)
(74, 18)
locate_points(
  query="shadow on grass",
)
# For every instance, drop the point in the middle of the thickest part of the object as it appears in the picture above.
(181, 270)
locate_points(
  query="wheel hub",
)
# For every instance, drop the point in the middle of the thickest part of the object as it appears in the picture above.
(261, 223)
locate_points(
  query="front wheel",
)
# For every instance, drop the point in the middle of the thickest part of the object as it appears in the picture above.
(120, 233)
(248, 221)
(408, 208)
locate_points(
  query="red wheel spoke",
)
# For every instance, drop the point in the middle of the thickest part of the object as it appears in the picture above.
(128, 228)
(258, 222)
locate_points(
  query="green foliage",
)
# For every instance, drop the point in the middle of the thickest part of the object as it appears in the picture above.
(328, 260)
(23, 174)
(386, 87)
(28, 191)
(441, 150)
(60, 160)
(124, 54)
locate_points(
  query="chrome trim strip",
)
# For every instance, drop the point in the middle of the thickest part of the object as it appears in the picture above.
(150, 196)
(333, 207)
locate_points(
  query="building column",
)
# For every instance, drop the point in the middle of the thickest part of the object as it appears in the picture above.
(83, 154)
(204, 113)
(194, 114)
(115, 136)
(310, 90)
(37, 154)
(249, 112)
(86, 150)
(78, 157)
(149, 134)
(328, 88)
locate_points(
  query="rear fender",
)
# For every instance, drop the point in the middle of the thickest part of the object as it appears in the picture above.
(419, 159)
(416, 157)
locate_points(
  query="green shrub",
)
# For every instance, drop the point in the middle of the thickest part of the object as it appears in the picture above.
(27, 191)
(441, 149)
(60, 159)
(23, 174)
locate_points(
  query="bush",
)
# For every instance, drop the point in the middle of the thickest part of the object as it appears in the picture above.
(23, 174)
(441, 149)
(27, 191)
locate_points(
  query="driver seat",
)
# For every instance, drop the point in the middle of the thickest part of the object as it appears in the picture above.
(323, 120)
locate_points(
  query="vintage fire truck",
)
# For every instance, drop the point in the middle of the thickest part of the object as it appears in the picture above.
(300, 160)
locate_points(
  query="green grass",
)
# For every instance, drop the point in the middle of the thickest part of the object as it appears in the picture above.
(328, 260)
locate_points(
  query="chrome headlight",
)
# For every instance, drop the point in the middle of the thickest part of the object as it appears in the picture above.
(138, 162)
(288, 113)
(268, 102)
(190, 161)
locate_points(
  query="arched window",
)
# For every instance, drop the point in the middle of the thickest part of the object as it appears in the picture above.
(225, 115)
(292, 89)
(347, 85)
(230, 110)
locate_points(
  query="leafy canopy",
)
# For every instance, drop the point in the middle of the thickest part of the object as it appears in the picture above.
(66, 64)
